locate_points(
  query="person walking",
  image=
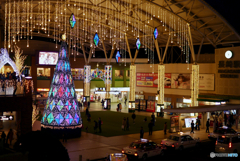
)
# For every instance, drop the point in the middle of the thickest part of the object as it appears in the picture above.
(89, 117)
(150, 127)
(153, 119)
(225, 119)
(88, 104)
(87, 111)
(95, 126)
(102, 103)
(120, 107)
(192, 127)
(198, 124)
(127, 123)
(65, 135)
(165, 128)
(3, 137)
(124, 123)
(100, 124)
(133, 117)
(141, 132)
(231, 119)
(207, 126)
(10, 136)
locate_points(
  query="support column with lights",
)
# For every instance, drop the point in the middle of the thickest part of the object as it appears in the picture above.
(132, 88)
(161, 76)
(108, 81)
(86, 84)
(194, 85)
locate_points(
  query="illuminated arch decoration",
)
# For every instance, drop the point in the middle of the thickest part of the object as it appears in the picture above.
(4, 59)
(62, 109)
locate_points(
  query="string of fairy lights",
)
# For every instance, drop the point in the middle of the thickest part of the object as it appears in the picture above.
(111, 20)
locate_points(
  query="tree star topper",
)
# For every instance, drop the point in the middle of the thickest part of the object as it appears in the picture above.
(72, 20)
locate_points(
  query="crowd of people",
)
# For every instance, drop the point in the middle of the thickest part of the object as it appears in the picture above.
(7, 141)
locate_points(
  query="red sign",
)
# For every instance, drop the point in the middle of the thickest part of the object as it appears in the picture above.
(151, 80)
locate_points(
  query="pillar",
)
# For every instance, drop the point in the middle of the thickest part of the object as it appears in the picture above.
(87, 80)
(131, 107)
(161, 76)
(108, 80)
(194, 85)
(237, 118)
(132, 82)
(1, 121)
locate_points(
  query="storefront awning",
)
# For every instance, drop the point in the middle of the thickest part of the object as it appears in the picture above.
(213, 100)
(207, 108)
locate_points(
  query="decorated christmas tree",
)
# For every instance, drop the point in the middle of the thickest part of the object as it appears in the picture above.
(62, 110)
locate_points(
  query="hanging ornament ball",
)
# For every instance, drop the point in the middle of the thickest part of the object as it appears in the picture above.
(64, 37)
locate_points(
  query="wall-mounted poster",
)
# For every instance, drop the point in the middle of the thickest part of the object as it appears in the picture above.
(206, 82)
(151, 80)
(180, 81)
(118, 74)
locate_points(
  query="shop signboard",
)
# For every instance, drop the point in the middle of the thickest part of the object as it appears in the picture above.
(6, 117)
(151, 80)
(206, 82)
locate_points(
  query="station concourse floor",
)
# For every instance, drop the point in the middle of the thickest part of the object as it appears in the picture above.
(92, 146)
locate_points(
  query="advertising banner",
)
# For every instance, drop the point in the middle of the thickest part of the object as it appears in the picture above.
(151, 80)
(118, 75)
(180, 81)
(206, 82)
(174, 120)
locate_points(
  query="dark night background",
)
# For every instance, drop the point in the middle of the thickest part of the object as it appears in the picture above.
(229, 9)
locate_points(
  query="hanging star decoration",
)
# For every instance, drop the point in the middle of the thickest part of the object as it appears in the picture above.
(138, 43)
(96, 39)
(118, 56)
(72, 20)
(155, 33)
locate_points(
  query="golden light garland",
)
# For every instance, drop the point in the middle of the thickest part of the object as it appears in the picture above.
(21, 17)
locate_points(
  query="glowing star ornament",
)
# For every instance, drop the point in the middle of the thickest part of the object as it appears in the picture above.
(138, 44)
(118, 56)
(72, 20)
(96, 39)
(155, 33)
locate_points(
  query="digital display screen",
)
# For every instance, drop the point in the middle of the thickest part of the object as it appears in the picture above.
(48, 58)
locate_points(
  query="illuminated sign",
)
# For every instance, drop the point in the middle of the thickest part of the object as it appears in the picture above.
(43, 89)
(7, 117)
